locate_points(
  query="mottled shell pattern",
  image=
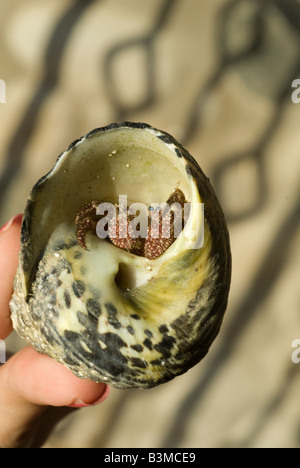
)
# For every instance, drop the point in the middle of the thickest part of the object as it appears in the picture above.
(105, 313)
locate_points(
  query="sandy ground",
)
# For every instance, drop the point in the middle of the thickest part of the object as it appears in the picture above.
(216, 74)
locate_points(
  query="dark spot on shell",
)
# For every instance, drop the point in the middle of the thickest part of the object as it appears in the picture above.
(135, 317)
(86, 321)
(109, 360)
(147, 342)
(113, 342)
(149, 333)
(78, 255)
(112, 316)
(137, 362)
(70, 335)
(164, 138)
(163, 329)
(72, 243)
(139, 348)
(78, 288)
(165, 346)
(61, 246)
(111, 309)
(130, 330)
(157, 362)
(178, 152)
(189, 171)
(67, 298)
(95, 293)
(59, 283)
(93, 308)
(117, 325)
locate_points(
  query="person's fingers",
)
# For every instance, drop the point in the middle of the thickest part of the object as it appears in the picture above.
(9, 248)
(29, 384)
(41, 380)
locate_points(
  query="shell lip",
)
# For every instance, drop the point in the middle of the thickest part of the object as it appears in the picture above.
(120, 124)
(166, 137)
(162, 135)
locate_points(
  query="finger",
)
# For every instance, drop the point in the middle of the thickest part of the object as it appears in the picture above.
(29, 383)
(41, 380)
(9, 248)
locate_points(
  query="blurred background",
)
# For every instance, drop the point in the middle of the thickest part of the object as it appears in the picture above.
(217, 75)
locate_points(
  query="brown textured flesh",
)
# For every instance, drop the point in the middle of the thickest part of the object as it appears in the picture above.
(163, 226)
(105, 313)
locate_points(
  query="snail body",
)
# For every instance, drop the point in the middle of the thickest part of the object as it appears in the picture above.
(130, 312)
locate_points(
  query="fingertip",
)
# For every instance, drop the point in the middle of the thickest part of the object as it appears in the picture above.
(81, 404)
(17, 219)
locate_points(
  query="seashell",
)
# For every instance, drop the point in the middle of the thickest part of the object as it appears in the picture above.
(126, 311)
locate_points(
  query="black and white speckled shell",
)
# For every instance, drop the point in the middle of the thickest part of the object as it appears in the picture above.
(67, 303)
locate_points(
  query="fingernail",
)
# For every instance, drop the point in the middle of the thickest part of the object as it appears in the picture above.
(9, 223)
(81, 404)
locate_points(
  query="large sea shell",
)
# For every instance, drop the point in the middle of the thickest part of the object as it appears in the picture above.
(106, 313)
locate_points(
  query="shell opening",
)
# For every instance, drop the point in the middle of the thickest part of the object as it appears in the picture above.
(125, 278)
(104, 166)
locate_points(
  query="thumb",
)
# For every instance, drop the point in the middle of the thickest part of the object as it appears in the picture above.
(30, 382)
(31, 386)
(40, 380)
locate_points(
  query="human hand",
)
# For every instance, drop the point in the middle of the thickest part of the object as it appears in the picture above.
(36, 392)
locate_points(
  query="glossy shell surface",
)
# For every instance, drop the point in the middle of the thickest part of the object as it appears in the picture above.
(105, 313)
